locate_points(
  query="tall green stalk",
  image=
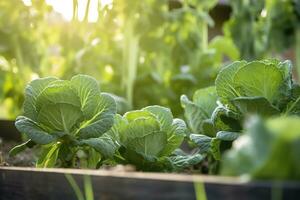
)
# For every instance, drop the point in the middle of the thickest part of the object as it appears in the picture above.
(130, 59)
(75, 10)
(86, 14)
(200, 192)
(87, 185)
(204, 29)
(19, 55)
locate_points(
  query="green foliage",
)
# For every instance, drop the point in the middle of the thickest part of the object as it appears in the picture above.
(216, 114)
(151, 52)
(133, 45)
(20, 51)
(260, 28)
(65, 115)
(198, 112)
(268, 149)
(255, 87)
(148, 139)
(263, 29)
(74, 123)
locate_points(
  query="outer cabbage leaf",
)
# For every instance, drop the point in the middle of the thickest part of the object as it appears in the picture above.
(138, 128)
(227, 136)
(57, 92)
(259, 79)
(34, 131)
(193, 114)
(198, 112)
(32, 91)
(206, 99)
(133, 115)
(255, 105)
(149, 145)
(21, 147)
(175, 137)
(182, 162)
(88, 90)
(202, 141)
(119, 124)
(225, 83)
(60, 117)
(163, 114)
(102, 120)
(104, 145)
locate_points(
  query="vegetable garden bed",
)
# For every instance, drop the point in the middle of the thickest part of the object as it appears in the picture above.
(75, 125)
(175, 108)
(32, 183)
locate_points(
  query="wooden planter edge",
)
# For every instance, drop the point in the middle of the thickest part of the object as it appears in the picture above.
(154, 176)
(36, 183)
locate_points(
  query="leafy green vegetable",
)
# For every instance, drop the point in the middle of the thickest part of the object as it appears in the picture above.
(265, 83)
(227, 136)
(65, 113)
(268, 78)
(254, 105)
(258, 87)
(21, 147)
(268, 150)
(148, 139)
(198, 112)
(216, 115)
(225, 83)
(262, 28)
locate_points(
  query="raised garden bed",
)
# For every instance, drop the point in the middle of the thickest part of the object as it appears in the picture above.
(179, 106)
(32, 183)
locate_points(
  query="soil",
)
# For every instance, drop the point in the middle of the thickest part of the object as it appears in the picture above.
(27, 158)
(23, 159)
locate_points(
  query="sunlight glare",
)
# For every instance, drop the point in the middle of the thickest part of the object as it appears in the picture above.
(27, 2)
(65, 8)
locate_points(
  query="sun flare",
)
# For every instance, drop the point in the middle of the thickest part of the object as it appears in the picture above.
(65, 8)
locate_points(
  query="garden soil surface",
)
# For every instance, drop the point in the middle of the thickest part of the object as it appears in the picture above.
(27, 158)
(23, 159)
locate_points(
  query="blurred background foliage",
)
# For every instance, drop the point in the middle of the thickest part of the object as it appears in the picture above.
(145, 52)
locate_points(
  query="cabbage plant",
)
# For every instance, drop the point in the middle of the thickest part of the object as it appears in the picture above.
(216, 114)
(268, 149)
(65, 116)
(150, 139)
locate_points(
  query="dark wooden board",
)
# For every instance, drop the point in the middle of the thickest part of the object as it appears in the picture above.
(8, 130)
(29, 183)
